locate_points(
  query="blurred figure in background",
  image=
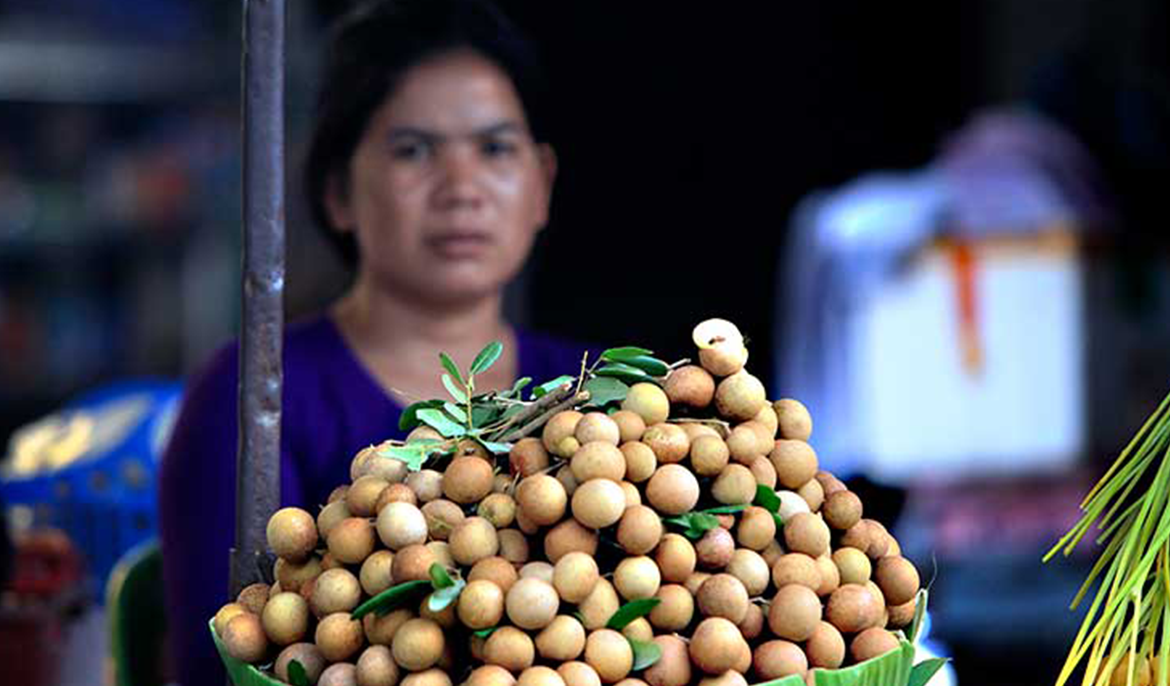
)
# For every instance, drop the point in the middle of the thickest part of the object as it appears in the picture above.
(430, 170)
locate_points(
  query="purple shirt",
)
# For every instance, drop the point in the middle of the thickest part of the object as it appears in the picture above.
(332, 407)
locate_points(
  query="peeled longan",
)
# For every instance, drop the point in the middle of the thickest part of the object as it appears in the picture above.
(597, 426)
(639, 530)
(509, 648)
(542, 499)
(648, 401)
(795, 462)
(292, 534)
(609, 654)
(723, 595)
(598, 460)
(715, 645)
(640, 461)
(598, 503)
(675, 609)
(690, 385)
(473, 540)
(528, 456)
(467, 480)
(574, 576)
(558, 434)
(673, 668)
(777, 659)
(795, 612)
(673, 489)
(244, 638)
(676, 558)
(339, 636)
(563, 639)
(532, 603)
(871, 643)
(418, 644)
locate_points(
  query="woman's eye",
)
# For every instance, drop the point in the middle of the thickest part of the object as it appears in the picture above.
(409, 151)
(498, 148)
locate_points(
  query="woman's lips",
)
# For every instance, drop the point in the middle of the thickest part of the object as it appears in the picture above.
(459, 245)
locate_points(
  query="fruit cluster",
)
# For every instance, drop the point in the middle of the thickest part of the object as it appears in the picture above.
(687, 536)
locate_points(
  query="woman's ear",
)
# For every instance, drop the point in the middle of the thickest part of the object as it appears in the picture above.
(547, 158)
(337, 204)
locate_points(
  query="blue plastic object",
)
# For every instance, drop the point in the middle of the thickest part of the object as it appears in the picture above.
(90, 469)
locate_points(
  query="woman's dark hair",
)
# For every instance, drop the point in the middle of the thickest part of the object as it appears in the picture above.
(368, 52)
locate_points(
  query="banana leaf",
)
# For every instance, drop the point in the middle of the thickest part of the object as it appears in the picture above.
(241, 673)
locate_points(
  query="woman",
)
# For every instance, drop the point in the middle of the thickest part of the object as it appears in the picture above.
(430, 169)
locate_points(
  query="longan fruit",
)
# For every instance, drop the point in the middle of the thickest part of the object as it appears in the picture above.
(853, 608)
(598, 503)
(735, 485)
(395, 493)
(633, 495)
(253, 597)
(412, 563)
(542, 499)
(752, 624)
(574, 576)
(639, 630)
(796, 568)
(563, 639)
(898, 579)
(490, 675)
(362, 496)
(380, 629)
(637, 577)
(376, 667)
(777, 659)
(690, 385)
(609, 654)
(772, 552)
(467, 480)
(723, 360)
(513, 546)
(715, 645)
(244, 638)
(639, 530)
(569, 536)
(673, 668)
(764, 471)
(598, 460)
(285, 618)
(427, 484)
(806, 533)
(749, 567)
(728, 678)
(767, 417)
(597, 426)
(853, 566)
(352, 540)
(740, 396)
(648, 401)
(565, 476)
(723, 595)
(400, 525)
(795, 462)
(336, 590)
(538, 570)
(339, 636)
(675, 609)
(709, 455)
(756, 528)
(435, 676)
(825, 647)
(630, 425)
(694, 581)
(715, 548)
(339, 674)
(540, 676)
(305, 653)
(871, 643)
(578, 673)
(668, 441)
(558, 433)
(418, 644)
(292, 534)
(495, 569)
(225, 614)
(795, 612)
(330, 515)
(499, 509)
(473, 540)
(673, 489)
(842, 509)
(640, 461)
(442, 551)
(480, 605)
(532, 603)
(599, 605)
(744, 444)
(791, 504)
(509, 648)
(813, 494)
(793, 419)
(902, 615)
(528, 456)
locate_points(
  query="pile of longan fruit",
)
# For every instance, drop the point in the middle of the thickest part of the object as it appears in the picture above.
(595, 512)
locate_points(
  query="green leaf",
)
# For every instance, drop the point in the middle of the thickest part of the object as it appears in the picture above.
(435, 419)
(919, 614)
(725, 509)
(517, 387)
(779, 521)
(631, 611)
(651, 365)
(923, 671)
(440, 599)
(625, 372)
(646, 653)
(544, 388)
(484, 633)
(625, 353)
(482, 415)
(767, 498)
(793, 680)
(456, 392)
(409, 418)
(296, 674)
(512, 411)
(696, 523)
(487, 357)
(414, 454)
(439, 576)
(393, 597)
(605, 390)
(456, 412)
(497, 448)
(452, 368)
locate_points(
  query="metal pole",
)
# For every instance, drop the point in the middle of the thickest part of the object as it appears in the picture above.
(258, 461)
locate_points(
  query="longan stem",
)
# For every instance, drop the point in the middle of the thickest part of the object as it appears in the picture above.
(531, 426)
(553, 397)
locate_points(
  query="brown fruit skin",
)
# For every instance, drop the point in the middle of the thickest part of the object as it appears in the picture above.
(336, 590)
(842, 509)
(307, 654)
(244, 638)
(558, 434)
(676, 558)
(339, 637)
(723, 360)
(871, 643)
(362, 496)
(723, 595)
(640, 461)
(728, 678)
(412, 563)
(563, 639)
(380, 630)
(794, 613)
(253, 597)
(898, 579)
(676, 609)
(740, 397)
(794, 420)
(400, 525)
(528, 456)
(480, 605)
(599, 605)
(709, 455)
(597, 426)
(830, 575)
(330, 515)
(813, 494)
(796, 568)
(442, 517)
(609, 654)
(497, 570)
(735, 485)
(427, 484)
(879, 539)
(376, 667)
(648, 401)
(473, 540)
(825, 647)
(285, 618)
(764, 471)
(639, 630)
(490, 675)
(418, 644)
(806, 533)
(830, 483)
(513, 546)
(598, 503)
(339, 674)
(542, 498)
(756, 528)
(578, 673)
(673, 489)
(499, 509)
(467, 480)
(753, 622)
(532, 603)
(352, 540)
(509, 648)
(715, 645)
(715, 548)
(748, 441)
(795, 462)
(749, 567)
(852, 608)
(224, 616)
(574, 576)
(674, 667)
(598, 460)
(853, 566)
(776, 659)
(631, 426)
(395, 493)
(428, 677)
(902, 615)
(668, 441)
(639, 530)
(690, 385)
(540, 676)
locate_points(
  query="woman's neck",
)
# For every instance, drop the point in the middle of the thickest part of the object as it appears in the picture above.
(399, 338)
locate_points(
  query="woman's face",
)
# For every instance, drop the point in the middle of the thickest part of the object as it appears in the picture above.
(446, 189)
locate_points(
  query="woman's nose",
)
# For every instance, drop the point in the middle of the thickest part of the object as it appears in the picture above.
(460, 176)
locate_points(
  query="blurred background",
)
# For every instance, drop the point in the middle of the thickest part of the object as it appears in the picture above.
(943, 227)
